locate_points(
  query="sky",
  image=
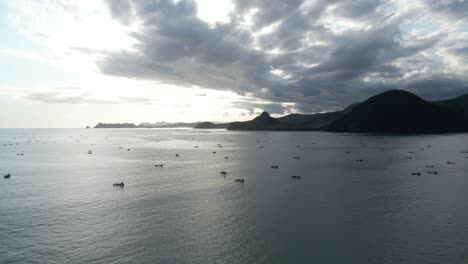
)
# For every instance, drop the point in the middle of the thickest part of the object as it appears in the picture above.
(75, 63)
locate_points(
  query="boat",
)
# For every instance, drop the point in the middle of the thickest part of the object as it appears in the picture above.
(121, 184)
(7, 176)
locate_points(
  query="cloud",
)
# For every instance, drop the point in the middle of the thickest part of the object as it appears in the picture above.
(57, 97)
(253, 108)
(316, 55)
(454, 9)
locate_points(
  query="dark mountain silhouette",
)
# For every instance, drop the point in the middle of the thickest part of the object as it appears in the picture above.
(205, 125)
(261, 122)
(398, 111)
(317, 121)
(291, 122)
(394, 111)
(312, 121)
(458, 104)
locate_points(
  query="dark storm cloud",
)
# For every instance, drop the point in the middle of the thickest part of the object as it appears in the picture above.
(370, 51)
(462, 53)
(121, 10)
(430, 87)
(289, 53)
(357, 8)
(456, 9)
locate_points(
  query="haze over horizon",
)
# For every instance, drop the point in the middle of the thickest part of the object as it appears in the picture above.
(77, 63)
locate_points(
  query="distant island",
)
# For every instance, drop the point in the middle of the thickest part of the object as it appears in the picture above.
(393, 111)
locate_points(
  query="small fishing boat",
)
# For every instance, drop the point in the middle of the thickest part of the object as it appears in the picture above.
(121, 184)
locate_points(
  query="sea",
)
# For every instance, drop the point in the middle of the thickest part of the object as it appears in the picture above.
(360, 198)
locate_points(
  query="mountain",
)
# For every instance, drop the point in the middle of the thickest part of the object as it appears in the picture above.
(261, 122)
(317, 121)
(292, 122)
(207, 125)
(458, 104)
(393, 111)
(398, 111)
(115, 125)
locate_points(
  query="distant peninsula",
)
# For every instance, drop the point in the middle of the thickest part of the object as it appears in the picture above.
(115, 125)
(211, 125)
(393, 111)
(146, 125)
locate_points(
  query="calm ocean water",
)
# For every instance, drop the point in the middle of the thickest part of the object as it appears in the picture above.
(60, 206)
